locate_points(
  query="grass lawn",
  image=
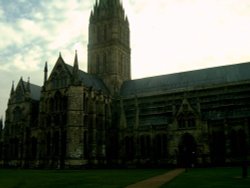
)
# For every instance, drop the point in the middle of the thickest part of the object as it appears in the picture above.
(73, 178)
(210, 178)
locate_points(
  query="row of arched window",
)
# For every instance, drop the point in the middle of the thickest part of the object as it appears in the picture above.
(146, 146)
(102, 63)
(58, 103)
(186, 121)
(59, 79)
(103, 33)
(15, 150)
(236, 145)
(104, 66)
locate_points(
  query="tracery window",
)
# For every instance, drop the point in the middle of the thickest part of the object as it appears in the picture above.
(99, 34)
(48, 144)
(104, 62)
(98, 64)
(145, 146)
(85, 102)
(129, 147)
(186, 120)
(105, 32)
(59, 78)
(33, 147)
(85, 145)
(17, 114)
(160, 146)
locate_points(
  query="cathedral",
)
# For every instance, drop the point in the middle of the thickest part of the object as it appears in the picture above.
(103, 118)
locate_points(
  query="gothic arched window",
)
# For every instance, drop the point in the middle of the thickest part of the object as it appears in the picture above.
(145, 146)
(98, 63)
(33, 147)
(186, 120)
(160, 146)
(104, 62)
(17, 114)
(181, 121)
(105, 32)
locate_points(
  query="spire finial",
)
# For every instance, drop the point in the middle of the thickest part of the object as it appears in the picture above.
(76, 59)
(12, 87)
(28, 84)
(45, 72)
(75, 69)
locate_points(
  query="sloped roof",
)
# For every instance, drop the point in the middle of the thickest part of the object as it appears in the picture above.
(187, 80)
(90, 80)
(35, 90)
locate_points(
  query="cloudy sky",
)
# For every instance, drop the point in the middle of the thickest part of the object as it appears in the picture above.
(167, 36)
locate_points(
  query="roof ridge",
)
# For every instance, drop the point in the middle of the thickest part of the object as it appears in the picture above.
(191, 71)
(189, 79)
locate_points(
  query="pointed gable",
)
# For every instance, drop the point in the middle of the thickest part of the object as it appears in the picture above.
(59, 68)
(64, 75)
(20, 89)
(26, 89)
(60, 75)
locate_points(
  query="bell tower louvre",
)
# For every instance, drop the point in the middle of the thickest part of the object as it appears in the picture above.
(109, 44)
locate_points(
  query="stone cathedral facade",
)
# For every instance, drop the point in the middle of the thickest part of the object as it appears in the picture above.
(103, 118)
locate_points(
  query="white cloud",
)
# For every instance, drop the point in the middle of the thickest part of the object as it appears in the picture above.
(1, 13)
(166, 36)
(9, 36)
(28, 41)
(172, 36)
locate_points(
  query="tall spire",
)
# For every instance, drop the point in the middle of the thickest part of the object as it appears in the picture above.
(45, 72)
(107, 9)
(76, 70)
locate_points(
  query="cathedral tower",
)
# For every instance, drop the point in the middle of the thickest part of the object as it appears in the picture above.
(109, 44)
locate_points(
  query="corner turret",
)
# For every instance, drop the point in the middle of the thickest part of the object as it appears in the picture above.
(75, 72)
(45, 73)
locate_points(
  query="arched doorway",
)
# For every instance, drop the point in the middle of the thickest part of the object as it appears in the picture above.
(187, 151)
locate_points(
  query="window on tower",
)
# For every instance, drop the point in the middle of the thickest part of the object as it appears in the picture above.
(97, 63)
(104, 62)
(17, 114)
(98, 33)
(105, 32)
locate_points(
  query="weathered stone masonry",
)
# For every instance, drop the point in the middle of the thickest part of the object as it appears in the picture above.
(103, 118)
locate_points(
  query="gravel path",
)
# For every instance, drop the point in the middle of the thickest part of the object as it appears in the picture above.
(157, 181)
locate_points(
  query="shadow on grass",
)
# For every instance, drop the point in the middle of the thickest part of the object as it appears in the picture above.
(210, 178)
(74, 178)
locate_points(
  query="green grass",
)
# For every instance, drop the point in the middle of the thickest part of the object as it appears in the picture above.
(73, 178)
(210, 178)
